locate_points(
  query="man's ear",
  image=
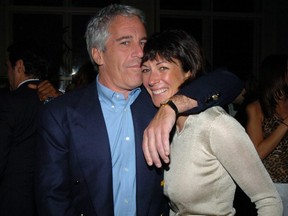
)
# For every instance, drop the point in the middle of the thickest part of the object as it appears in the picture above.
(97, 56)
(19, 66)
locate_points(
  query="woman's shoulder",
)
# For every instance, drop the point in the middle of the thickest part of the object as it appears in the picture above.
(218, 118)
(255, 105)
(210, 115)
(254, 109)
(216, 111)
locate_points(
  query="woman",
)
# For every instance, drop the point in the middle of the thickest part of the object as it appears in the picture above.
(210, 150)
(267, 123)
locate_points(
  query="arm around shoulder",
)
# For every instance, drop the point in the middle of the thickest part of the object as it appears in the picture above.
(212, 89)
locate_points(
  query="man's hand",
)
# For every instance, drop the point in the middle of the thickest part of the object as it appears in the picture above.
(156, 136)
(45, 90)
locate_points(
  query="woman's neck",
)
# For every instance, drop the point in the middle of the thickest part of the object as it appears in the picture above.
(180, 122)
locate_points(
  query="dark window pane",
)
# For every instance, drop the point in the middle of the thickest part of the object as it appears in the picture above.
(80, 54)
(244, 6)
(192, 26)
(93, 3)
(233, 45)
(38, 2)
(45, 31)
(181, 5)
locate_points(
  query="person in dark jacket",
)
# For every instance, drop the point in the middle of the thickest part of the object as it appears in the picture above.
(18, 112)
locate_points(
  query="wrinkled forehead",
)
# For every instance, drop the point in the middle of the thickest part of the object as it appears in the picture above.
(124, 24)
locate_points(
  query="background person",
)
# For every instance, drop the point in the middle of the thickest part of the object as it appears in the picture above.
(85, 75)
(268, 122)
(18, 113)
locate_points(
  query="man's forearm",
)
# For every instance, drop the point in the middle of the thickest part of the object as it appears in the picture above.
(213, 89)
(183, 103)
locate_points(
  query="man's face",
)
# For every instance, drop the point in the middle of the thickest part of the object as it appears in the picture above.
(119, 64)
(11, 75)
(16, 73)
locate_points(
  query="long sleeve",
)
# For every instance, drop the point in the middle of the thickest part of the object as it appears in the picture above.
(73, 174)
(213, 152)
(52, 171)
(214, 88)
(235, 151)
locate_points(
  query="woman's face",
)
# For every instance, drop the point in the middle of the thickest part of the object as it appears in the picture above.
(162, 78)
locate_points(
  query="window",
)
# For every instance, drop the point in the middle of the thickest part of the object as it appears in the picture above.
(228, 31)
(42, 30)
(57, 26)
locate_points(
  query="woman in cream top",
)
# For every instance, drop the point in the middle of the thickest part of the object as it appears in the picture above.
(210, 151)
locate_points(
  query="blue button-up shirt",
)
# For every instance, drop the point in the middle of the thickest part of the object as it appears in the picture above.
(119, 124)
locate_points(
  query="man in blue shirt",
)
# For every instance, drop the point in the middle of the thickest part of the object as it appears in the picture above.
(90, 159)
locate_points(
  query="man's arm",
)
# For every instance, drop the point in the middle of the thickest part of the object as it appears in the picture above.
(215, 88)
(45, 90)
(52, 182)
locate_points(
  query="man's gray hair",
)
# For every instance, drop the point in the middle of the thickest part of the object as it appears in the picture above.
(97, 29)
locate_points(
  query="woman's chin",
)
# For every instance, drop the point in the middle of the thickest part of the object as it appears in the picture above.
(156, 103)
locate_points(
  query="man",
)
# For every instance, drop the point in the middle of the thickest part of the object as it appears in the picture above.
(90, 159)
(18, 113)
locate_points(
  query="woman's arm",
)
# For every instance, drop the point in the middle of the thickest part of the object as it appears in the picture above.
(254, 129)
(235, 151)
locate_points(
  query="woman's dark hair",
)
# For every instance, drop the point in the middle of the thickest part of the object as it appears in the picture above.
(176, 44)
(273, 82)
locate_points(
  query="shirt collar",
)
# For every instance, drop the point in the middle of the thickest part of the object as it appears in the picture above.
(27, 80)
(109, 95)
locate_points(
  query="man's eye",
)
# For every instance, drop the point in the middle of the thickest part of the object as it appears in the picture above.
(143, 43)
(125, 42)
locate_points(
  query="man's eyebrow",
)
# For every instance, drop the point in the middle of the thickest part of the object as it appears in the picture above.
(129, 37)
(124, 37)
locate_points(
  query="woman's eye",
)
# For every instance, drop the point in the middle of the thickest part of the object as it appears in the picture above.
(163, 68)
(145, 70)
